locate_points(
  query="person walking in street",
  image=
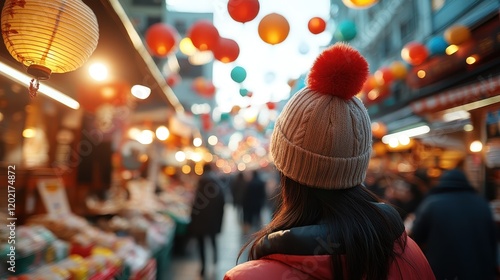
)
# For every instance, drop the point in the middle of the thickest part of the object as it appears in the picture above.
(454, 226)
(254, 200)
(329, 226)
(207, 213)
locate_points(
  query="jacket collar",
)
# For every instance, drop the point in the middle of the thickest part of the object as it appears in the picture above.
(311, 239)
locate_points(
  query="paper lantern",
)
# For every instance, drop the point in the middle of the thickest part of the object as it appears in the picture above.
(161, 39)
(457, 34)
(346, 31)
(238, 74)
(384, 76)
(273, 28)
(204, 35)
(173, 79)
(226, 50)
(414, 53)
(243, 10)
(359, 4)
(398, 70)
(49, 36)
(316, 25)
(437, 45)
(370, 83)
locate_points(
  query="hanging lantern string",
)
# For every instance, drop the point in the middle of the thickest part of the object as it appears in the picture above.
(34, 86)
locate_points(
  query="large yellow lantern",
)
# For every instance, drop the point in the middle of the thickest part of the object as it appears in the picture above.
(47, 37)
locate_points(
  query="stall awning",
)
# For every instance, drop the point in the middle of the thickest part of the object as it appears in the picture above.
(484, 88)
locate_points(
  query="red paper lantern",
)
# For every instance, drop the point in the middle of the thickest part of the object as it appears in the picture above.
(243, 10)
(273, 28)
(173, 79)
(271, 105)
(414, 53)
(161, 39)
(316, 25)
(384, 76)
(204, 35)
(226, 50)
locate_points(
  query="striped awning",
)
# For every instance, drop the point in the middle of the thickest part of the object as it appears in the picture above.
(482, 89)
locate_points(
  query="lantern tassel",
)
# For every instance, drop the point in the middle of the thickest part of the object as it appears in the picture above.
(34, 86)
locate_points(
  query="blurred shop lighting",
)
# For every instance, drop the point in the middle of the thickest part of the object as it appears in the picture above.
(140, 91)
(420, 130)
(476, 146)
(98, 71)
(456, 115)
(22, 78)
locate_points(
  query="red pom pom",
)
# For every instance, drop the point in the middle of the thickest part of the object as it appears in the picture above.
(339, 70)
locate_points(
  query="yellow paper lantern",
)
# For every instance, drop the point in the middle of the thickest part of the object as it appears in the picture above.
(47, 37)
(359, 4)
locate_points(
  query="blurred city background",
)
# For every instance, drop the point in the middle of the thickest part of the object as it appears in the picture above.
(100, 164)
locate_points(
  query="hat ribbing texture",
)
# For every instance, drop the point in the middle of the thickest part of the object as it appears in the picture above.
(322, 141)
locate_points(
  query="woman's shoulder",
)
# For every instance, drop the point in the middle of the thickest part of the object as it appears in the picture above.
(255, 269)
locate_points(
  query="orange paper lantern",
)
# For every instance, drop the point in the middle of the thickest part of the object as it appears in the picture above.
(316, 25)
(204, 35)
(226, 50)
(398, 70)
(457, 34)
(161, 39)
(414, 53)
(273, 28)
(243, 10)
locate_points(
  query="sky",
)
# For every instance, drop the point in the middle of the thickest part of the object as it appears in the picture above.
(269, 68)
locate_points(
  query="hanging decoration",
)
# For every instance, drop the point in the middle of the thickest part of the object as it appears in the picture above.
(226, 50)
(243, 10)
(437, 45)
(204, 35)
(370, 83)
(238, 74)
(49, 36)
(316, 25)
(399, 70)
(273, 28)
(173, 79)
(414, 53)
(243, 91)
(457, 34)
(203, 87)
(161, 39)
(384, 76)
(346, 31)
(359, 4)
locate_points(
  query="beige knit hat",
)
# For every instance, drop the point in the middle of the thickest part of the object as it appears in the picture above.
(322, 138)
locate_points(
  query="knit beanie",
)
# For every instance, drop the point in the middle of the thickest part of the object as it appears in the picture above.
(322, 138)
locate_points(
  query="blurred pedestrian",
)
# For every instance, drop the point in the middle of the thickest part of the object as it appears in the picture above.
(237, 186)
(454, 226)
(329, 226)
(207, 213)
(254, 200)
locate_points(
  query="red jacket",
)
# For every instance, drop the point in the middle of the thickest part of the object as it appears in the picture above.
(410, 265)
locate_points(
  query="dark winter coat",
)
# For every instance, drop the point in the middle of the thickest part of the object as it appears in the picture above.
(208, 206)
(455, 228)
(303, 253)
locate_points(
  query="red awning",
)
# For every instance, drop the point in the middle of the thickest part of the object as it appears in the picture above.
(485, 88)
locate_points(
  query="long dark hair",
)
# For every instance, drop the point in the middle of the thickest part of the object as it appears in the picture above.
(354, 220)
